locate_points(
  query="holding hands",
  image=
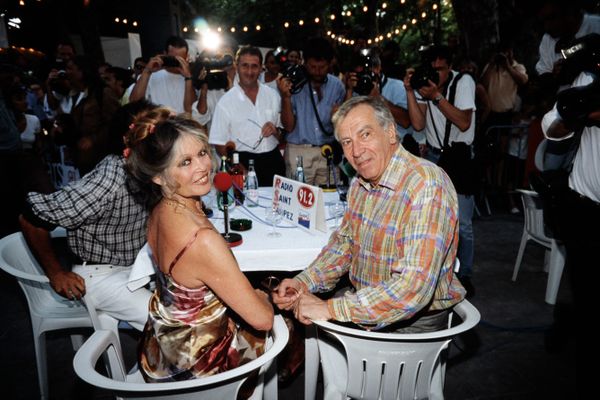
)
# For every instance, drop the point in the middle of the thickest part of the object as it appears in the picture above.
(292, 294)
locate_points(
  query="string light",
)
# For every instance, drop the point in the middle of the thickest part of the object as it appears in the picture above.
(346, 12)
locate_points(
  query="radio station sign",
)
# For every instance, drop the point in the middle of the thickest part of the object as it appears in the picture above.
(299, 203)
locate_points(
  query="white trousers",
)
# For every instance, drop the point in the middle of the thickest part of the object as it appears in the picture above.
(106, 286)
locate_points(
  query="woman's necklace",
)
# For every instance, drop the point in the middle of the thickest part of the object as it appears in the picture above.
(175, 204)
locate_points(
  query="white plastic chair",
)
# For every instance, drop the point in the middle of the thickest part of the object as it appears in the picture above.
(48, 310)
(534, 230)
(220, 386)
(388, 365)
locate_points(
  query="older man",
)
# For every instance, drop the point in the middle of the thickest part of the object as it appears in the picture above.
(397, 241)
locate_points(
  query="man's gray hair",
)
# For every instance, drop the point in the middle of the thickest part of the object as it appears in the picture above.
(383, 115)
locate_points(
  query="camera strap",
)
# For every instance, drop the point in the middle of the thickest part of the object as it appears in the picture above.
(451, 97)
(312, 101)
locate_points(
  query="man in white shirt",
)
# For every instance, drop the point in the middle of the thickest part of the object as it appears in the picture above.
(576, 213)
(247, 118)
(563, 21)
(166, 80)
(431, 112)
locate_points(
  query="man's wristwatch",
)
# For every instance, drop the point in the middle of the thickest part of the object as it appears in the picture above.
(436, 100)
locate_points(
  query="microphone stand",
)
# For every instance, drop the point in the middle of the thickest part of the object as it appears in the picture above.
(232, 239)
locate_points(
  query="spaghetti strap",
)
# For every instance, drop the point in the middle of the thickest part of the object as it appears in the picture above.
(180, 254)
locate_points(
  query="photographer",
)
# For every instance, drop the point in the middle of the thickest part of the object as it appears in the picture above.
(502, 76)
(166, 79)
(306, 115)
(449, 126)
(576, 117)
(368, 79)
(215, 77)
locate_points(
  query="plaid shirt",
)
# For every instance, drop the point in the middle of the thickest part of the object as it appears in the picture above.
(104, 223)
(397, 242)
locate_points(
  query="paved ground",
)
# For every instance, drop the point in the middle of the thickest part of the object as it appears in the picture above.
(503, 358)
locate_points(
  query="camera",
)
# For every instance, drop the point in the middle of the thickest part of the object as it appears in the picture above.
(422, 75)
(216, 76)
(170, 61)
(366, 78)
(295, 73)
(574, 104)
(500, 59)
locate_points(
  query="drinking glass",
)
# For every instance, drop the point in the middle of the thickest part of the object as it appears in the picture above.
(336, 210)
(273, 216)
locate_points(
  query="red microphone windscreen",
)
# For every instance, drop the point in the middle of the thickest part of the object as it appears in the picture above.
(222, 181)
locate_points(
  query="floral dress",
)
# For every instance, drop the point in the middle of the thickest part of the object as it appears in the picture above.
(189, 333)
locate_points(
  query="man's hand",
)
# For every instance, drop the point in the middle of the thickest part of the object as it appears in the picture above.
(406, 81)
(287, 293)
(430, 91)
(68, 284)
(310, 308)
(154, 64)
(268, 129)
(351, 81)
(285, 86)
(184, 67)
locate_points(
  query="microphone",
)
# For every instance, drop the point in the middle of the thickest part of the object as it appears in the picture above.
(327, 151)
(223, 183)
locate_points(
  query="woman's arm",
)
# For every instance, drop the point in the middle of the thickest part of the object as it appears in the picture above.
(209, 261)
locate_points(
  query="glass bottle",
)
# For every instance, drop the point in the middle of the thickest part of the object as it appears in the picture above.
(237, 176)
(230, 194)
(299, 170)
(251, 185)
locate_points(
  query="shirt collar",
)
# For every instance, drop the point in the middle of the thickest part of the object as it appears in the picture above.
(390, 177)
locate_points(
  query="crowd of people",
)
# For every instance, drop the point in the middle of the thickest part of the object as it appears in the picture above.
(122, 156)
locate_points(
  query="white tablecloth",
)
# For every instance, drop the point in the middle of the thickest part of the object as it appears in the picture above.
(294, 250)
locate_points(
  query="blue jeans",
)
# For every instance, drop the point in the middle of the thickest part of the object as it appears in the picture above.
(466, 246)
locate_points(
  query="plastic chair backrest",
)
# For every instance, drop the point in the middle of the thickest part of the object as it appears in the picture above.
(224, 385)
(534, 216)
(394, 365)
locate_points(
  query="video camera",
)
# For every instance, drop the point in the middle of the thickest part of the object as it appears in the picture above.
(216, 76)
(294, 72)
(576, 103)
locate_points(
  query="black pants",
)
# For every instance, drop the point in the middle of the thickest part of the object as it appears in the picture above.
(580, 223)
(266, 165)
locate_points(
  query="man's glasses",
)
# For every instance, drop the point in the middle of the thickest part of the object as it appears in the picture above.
(258, 142)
